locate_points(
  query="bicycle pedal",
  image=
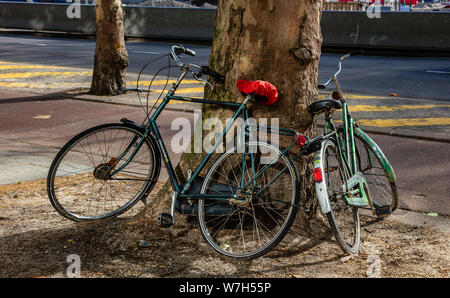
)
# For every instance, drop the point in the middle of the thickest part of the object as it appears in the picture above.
(383, 210)
(165, 220)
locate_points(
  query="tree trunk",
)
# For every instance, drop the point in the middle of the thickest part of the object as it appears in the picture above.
(276, 41)
(111, 57)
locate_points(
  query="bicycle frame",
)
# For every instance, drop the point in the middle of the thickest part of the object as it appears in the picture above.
(347, 149)
(183, 191)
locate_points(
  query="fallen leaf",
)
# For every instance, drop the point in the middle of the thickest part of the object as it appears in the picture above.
(297, 276)
(42, 117)
(432, 214)
(347, 258)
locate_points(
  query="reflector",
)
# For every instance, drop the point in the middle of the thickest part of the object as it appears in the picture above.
(317, 175)
(301, 140)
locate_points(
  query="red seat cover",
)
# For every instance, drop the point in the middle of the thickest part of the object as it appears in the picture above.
(261, 88)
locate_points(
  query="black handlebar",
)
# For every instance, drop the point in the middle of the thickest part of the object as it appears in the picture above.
(207, 71)
(204, 70)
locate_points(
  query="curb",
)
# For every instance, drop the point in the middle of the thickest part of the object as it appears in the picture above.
(122, 103)
(415, 218)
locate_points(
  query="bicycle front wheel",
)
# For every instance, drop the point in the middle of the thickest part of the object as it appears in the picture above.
(343, 219)
(263, 197)
(79, 184)
(383, 192)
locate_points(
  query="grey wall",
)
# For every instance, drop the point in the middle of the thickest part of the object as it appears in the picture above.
(46, 17)
(394, 30)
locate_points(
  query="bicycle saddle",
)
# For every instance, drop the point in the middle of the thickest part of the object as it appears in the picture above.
(322, 106)
(264, 92)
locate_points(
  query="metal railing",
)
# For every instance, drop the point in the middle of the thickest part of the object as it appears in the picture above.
(386, 5)
(341, 6)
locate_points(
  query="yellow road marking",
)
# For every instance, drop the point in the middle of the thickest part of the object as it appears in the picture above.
(42, 66)
(29, 85)
(354, 96)
(22, 75)
(368, 108)
(174, 101)
(31, 66)
(162, 82)
(184, 91)
(403, 122)
(69, 84)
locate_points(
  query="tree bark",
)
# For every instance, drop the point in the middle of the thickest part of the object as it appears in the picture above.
(111, 57)
(276, 41)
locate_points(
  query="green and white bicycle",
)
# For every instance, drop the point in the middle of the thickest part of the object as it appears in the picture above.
(350, 170)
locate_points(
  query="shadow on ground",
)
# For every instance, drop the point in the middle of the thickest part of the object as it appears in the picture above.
(123, 248)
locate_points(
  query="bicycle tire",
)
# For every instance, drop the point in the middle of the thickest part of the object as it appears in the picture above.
(348, 243)
(279, 214)
(69, 161)
(383, 192)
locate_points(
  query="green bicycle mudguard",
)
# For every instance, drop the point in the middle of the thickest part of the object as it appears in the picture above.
(390, 174)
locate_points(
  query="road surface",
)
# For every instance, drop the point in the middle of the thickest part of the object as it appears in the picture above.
(411, 77)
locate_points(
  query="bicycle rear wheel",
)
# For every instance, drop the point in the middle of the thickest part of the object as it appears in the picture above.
(343, 219)
(78, 182)
(250, 224)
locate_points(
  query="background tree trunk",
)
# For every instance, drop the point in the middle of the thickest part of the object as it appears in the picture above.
(111, 57)
(276, 41)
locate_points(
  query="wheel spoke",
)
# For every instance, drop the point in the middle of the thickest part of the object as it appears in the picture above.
(255, 222)
(76, 191)
(343, 219)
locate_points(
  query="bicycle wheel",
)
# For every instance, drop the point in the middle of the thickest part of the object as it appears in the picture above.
(78, 182)
(383, 192)
(343, 219)
(259, 216)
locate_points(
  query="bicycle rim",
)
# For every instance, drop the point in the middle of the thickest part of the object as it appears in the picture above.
(344, 219)
(77, 185)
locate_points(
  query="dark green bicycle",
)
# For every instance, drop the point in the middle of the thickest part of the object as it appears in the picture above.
(245, 203)
(247, 198)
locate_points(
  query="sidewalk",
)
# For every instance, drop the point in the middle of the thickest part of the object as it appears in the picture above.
(35, 241)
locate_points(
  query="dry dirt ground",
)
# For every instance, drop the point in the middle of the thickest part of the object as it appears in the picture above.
(35, 242)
